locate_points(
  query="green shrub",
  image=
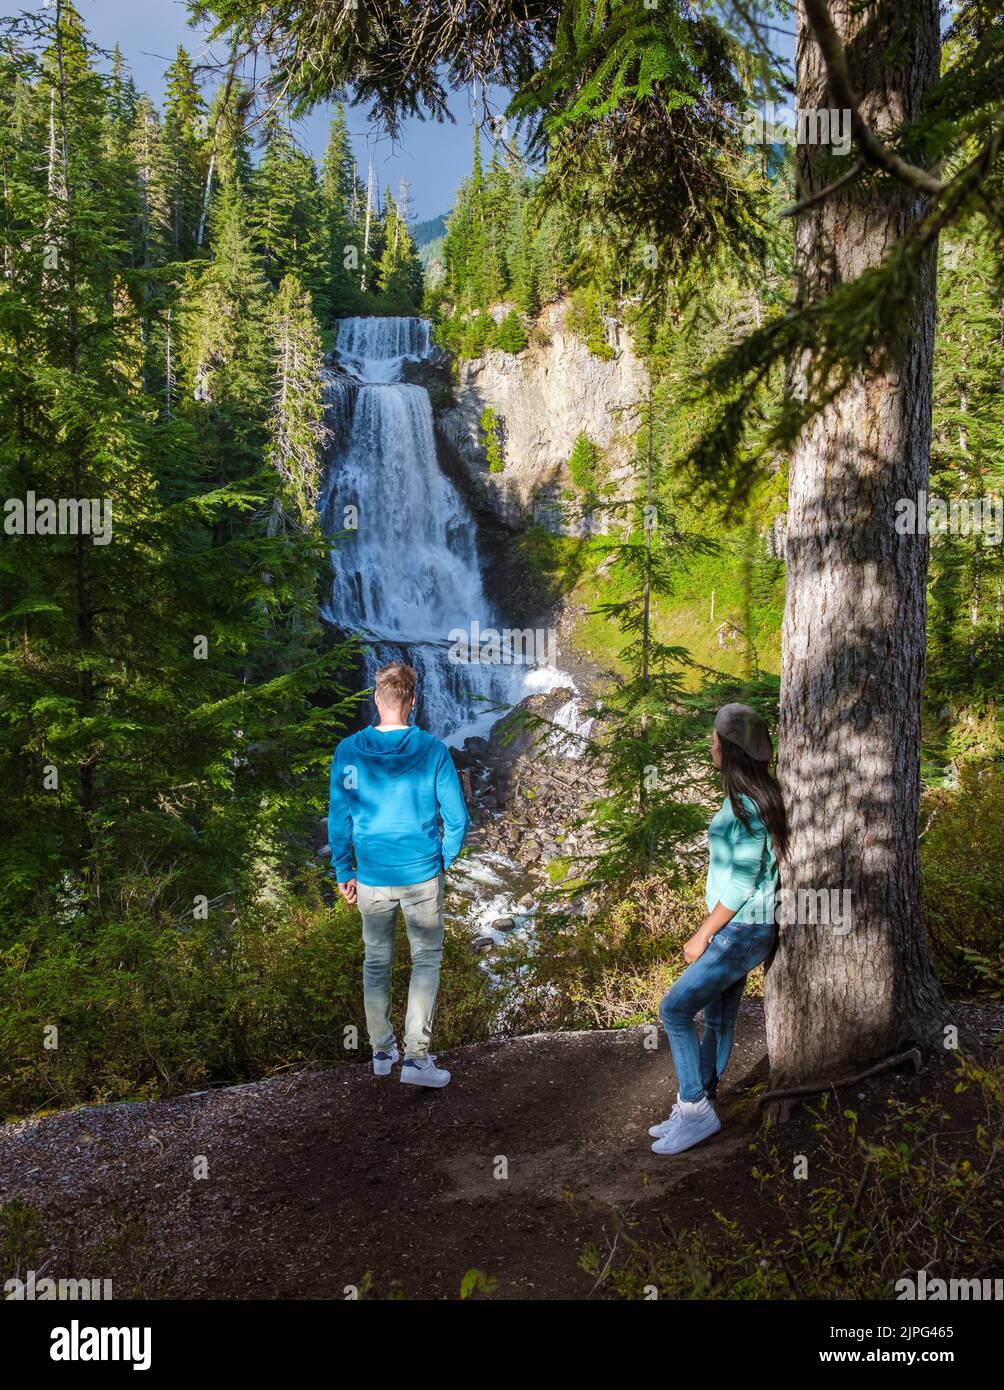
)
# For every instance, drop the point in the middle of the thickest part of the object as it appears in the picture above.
(583, 468)
(510, 336)
(962, 863)
(604, 971)
(465, 337)
(491, 440)
(920, 1191)
(477, 335)
(144, 1009)
(585, 319)
(22, 1239)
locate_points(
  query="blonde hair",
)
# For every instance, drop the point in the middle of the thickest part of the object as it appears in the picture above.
(395, 683)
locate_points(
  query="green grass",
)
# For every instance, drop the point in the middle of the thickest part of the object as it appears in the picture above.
(569, 567)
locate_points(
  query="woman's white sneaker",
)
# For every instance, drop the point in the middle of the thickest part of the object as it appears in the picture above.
(657, 1131)
(426, 1073)
(383, 1061)
(690, 1122)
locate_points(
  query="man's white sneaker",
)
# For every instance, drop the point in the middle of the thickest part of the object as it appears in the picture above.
(690, 1122)
(383, 1061)
(425, 1073)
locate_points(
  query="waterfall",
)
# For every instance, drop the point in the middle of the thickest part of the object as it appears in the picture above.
(406, 566)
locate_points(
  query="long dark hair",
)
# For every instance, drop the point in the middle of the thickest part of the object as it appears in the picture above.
(746, 776)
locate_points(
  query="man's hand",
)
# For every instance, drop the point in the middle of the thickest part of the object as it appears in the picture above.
(348, 891)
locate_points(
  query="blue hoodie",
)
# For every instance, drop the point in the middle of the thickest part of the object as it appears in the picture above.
(386, 792)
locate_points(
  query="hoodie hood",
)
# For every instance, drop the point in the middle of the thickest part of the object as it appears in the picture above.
(395, 752)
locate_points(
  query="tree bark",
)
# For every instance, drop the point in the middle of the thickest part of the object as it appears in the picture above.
(853, 637)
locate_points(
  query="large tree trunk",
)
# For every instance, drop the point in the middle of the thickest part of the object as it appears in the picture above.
(855, 615)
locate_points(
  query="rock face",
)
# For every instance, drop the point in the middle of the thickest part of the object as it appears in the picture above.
(543, 398)
(526, 801)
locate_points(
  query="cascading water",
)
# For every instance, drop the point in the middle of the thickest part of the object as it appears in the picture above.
(406, 568)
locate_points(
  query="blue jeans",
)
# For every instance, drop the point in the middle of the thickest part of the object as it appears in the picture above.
(714, 983)
(422, 907)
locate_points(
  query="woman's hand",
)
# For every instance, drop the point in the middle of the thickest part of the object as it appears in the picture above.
(719, 917)
(694, 948)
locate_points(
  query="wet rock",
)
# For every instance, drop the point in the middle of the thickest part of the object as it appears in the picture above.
(504, 924)
(525, 797)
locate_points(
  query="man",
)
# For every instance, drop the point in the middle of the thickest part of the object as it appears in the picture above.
(388, 785)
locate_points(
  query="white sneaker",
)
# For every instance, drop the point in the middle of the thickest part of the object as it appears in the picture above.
(383, 1061)
(425, 1073)
(690, 1122)
(657, 1131)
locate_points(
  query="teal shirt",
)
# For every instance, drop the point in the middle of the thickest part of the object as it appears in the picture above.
(742, 869)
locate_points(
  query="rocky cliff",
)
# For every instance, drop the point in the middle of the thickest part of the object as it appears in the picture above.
(543, 398)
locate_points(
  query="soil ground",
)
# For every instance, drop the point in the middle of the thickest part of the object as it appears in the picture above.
(316, 1179)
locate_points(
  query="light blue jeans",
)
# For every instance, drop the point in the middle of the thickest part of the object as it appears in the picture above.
(421, 905)
(714, 983)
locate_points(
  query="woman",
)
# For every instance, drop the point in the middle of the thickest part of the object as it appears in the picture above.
(746, 839)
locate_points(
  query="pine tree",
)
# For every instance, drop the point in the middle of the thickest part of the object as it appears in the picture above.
(466, 249)
(155, 230)
(73, 707)
(229, 148)
(225, 351)
(510, 335)
(185, 141)
(296, 426)
(500, 245)
(498, 215)
(653, 724)
(122, 102)
(399, 276)
(583, 466)
(523, 288)
(966, 612)
(135, 777)
(287, 218)
(339, 200)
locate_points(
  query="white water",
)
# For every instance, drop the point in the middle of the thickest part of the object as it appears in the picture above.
(406, 573)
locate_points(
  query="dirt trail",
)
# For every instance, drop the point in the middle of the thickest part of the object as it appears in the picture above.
(316, 1178)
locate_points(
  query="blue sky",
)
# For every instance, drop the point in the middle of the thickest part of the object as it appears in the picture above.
(433, 157)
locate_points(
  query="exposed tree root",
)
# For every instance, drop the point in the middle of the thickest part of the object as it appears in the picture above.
(815, 1088)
